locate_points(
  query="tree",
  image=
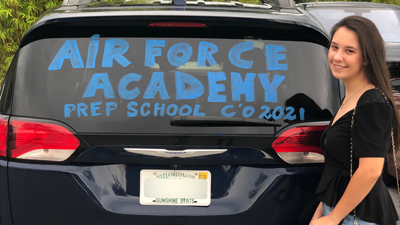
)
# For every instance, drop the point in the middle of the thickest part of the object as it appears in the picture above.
(393, 2)
(16, 17)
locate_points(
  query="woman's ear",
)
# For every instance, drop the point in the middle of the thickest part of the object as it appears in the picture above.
(365, 63)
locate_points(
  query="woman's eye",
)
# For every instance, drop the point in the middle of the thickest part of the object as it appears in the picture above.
(350, 51)
(333, 47)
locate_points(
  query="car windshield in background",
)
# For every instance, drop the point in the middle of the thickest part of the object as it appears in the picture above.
(396, 85)
(116, 84)
(387, 20)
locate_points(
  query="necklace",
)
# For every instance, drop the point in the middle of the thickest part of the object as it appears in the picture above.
(352, 96)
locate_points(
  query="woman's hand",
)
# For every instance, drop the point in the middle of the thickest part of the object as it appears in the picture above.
(360, 185)
(325, 220)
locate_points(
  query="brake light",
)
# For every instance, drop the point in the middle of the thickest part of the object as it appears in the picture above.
(177, 24)
(3, 137)
(41, 141)
(300, 144)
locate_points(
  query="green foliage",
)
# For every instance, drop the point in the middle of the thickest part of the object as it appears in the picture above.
(16, 17)
(250, 1)
(393, 2)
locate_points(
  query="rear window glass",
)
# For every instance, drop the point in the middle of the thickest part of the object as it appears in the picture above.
(135, 85)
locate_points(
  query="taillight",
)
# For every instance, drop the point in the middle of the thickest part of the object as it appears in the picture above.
(3, 137)
(177, 24)
(300, 144)
(41, 141)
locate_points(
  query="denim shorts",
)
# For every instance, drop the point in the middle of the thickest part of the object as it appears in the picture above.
(348, 220)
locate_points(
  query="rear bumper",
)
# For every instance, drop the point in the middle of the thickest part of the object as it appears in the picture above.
(109, 194)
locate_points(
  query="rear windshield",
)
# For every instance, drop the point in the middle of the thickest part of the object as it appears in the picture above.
(136, 85)
(386, 20)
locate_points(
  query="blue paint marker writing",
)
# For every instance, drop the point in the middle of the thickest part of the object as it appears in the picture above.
(112, 52)
(265, 114)
(92, 51)
(302, 112)
(197, 112)
(82, 107)
(99, 81)
(185, 110)
(206, 50)
(123, 83)
(270, 91)
(131, 107)
(143, 111)
(290, 114)
(248, 111)
(240, 87)
(110, 106)
(273, 56)
(182, 80)
(172, 110)
(70, 51)
(158, 108)
(215, 88)
(236, 51)
(68, 108)
(156, 84)
(225, 113)
(94, 106)
(276, 116)
(180, 48)
(152, 51)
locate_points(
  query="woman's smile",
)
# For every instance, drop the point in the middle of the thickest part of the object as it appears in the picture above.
(339, 67)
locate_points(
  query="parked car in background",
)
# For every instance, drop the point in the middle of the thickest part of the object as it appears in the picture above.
(396, 91)
(389, 177)
(165, 112)
(386, 18)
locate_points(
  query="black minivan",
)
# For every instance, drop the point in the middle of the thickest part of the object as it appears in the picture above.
(165, 112)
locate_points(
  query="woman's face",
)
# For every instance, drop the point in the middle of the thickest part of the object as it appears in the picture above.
(345, 56)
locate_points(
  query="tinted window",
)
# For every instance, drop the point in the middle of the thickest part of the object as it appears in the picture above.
(387, 20)
(135, 85)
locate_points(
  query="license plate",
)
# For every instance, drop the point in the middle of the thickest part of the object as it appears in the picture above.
(175, 187)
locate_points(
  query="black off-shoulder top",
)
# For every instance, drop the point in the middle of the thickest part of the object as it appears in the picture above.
(371, 138)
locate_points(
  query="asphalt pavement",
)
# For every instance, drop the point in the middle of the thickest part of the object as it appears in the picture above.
(395, 197)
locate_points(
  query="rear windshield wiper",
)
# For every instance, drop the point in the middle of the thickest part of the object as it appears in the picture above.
(215, 121)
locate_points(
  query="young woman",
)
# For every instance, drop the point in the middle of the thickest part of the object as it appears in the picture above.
(357, 57)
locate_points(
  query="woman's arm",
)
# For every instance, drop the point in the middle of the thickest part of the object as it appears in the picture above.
(318, 212)
(360, 185)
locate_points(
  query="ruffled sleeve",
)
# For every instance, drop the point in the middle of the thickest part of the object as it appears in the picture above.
(372, 129)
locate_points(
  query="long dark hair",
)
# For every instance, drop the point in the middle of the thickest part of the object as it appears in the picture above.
(374, 58)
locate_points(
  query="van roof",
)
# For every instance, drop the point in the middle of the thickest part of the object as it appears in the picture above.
(284, 16)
